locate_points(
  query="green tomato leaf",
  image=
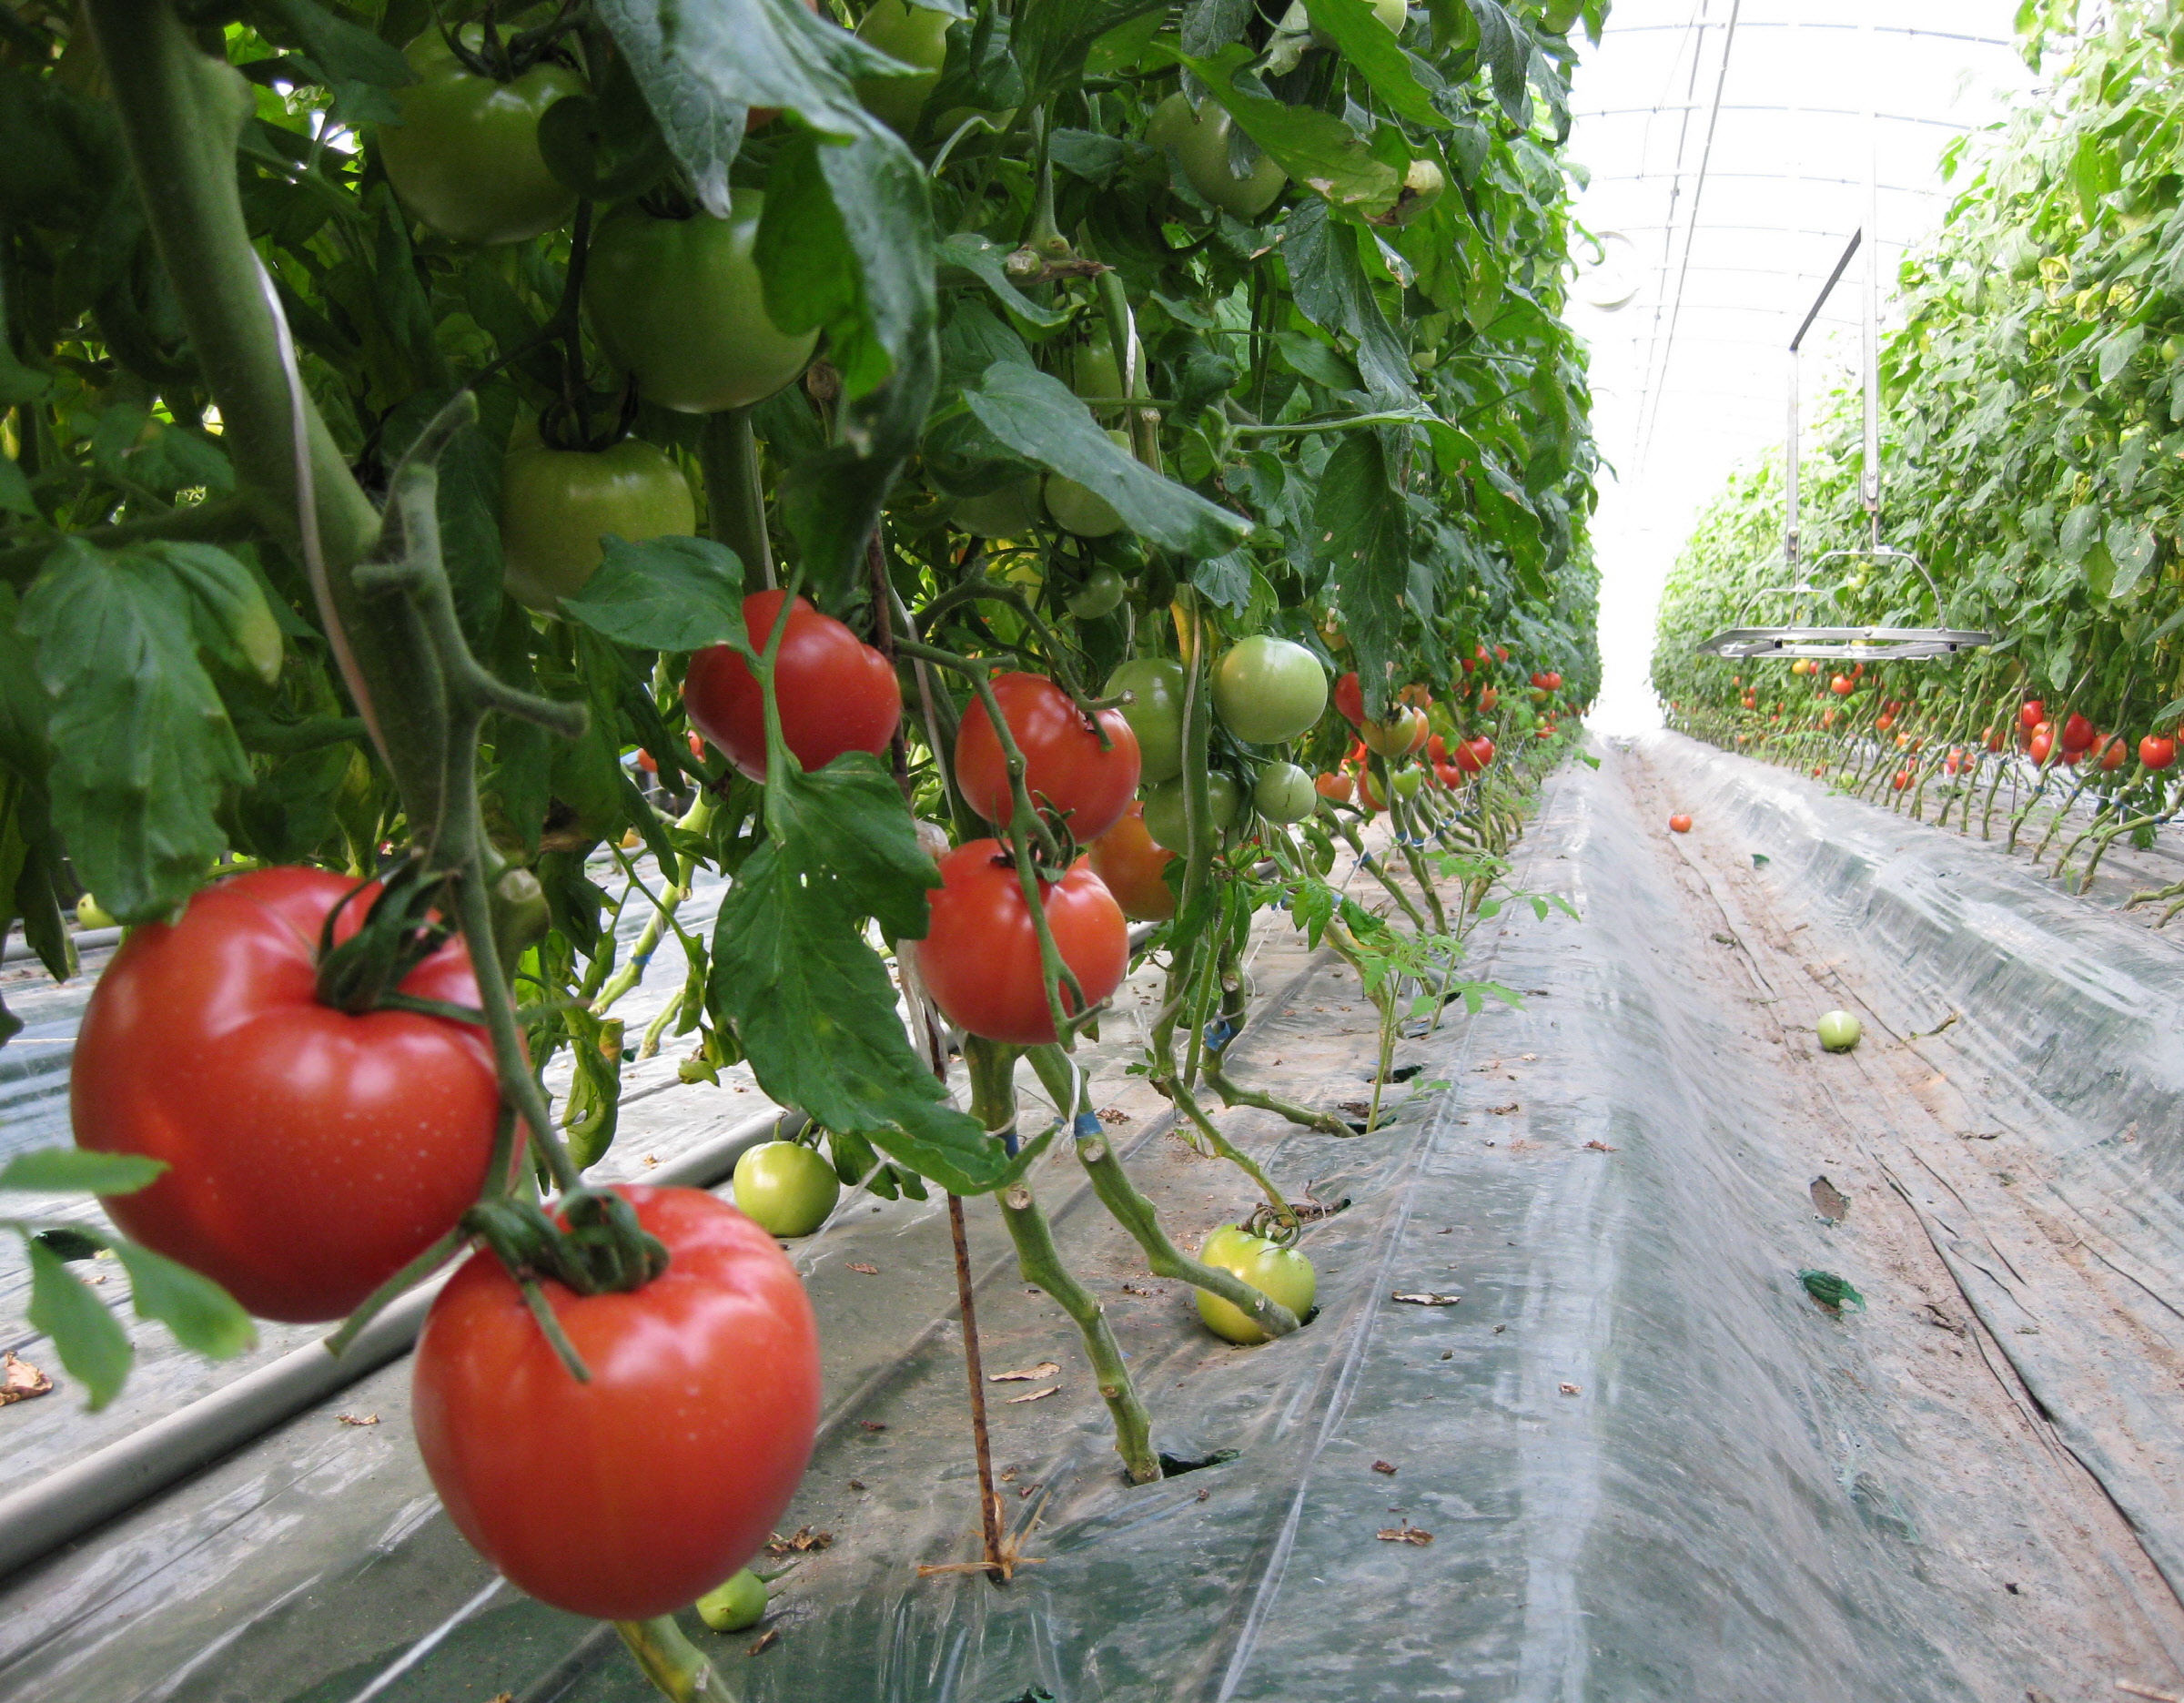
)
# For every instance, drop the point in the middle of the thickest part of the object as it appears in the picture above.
(203, 1316)
(663, 594)
(79, 1171)
(703, 68)
(1375, 52)
(1361, 532)
(1506, 50)
(1053, 37)
(1037, 416)
(2133, 547)
(15, 491)
(228, 609)
(983, 258)
(93, 1347)
(1316, 148)
(846, 245)
(346, 51)
(853, 809)
(1334, 293)
(148, 744)
(64, 1243)
(814, 1007)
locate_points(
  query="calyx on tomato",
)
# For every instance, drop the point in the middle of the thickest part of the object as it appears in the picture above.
(366, 1135)
(980, 958)
(1067, 767)
(679, 302)
(835, 693)
(464, 159)
(634, 1493)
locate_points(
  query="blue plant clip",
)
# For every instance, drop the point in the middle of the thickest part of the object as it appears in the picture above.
(1086, 1126)
(1219, 1033)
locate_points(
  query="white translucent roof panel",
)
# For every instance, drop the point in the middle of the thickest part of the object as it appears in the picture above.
(1728, 144)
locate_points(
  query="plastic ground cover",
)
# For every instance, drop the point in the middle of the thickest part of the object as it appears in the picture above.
(1648, 1466)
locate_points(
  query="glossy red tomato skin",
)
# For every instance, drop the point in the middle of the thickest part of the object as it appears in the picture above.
(2031, 713)
(2157, 752)
(1127, 860)
(312, 1153)
(634, 1495)
(2078, 732)
(1350, 698)
(836, 692)
(980, 959)
(1063, 760)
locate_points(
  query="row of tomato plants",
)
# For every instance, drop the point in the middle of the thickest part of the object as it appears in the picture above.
(811, 403)
(2031, 449)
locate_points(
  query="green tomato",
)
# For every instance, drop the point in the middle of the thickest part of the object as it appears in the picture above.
(1230, 1242)
(1201, 141)
(1285, 792)
(1008, 512)
(735, 1607)
(785, 1187)
(917, 36)
(1095, 373)
(1392, 15)
(1422, 185)
(556, 505)
(464, 160)
(1281, 1274)
(1102, 591)
(1085, 512)
(1408, 781)
(677, 302)
(1164, 810)
(1839, 1032)
(1155, 713)
(91, 914)
(1267, 690)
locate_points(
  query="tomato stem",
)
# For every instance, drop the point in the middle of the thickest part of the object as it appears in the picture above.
(672, 1663)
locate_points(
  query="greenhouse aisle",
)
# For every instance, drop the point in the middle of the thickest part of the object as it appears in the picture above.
(1568, 1425)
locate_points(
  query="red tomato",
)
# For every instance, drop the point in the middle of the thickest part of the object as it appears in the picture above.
(2157, 752)
(313, 1153)
(1473, 754)
(1841, 685)
(1064, 768)
(836, 692)
(1421, 733)
(1903, 779)
(2042, 744)
(2078, 733)
(1337, 787)
(980, 959)
(1350, 698)
(2110, 750)
(634, 1495)
(1679, 824)
(2031, 713)
(1884, 722)
(1501, 653)
(1370, 795)
(1447, 775)
(1488, 698)
(1126, 858)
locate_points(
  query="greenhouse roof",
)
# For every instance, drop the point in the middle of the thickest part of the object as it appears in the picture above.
(1727, 143)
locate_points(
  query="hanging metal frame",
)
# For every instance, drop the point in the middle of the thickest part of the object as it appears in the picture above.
(1868, 643)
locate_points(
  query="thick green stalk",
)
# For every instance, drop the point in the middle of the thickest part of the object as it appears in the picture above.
(992, 1068)
(675, 1665)
(1137, 1215)
(181, 115)
(735, 498)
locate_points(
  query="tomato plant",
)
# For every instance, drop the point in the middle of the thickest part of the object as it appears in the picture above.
(669, 1467)
(1133, 867)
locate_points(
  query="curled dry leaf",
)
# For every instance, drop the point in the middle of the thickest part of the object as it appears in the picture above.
(1404, 1533)
(1035, 1396)
(20, 1381)
(805, 1541)
(1600, 1147)
(1424, 1298)
(1503, 1111)
(1384, 1466)
(1045, 1369)
(1571, 1389)
(358, 1419)
(765, 1642)
(869, 1271)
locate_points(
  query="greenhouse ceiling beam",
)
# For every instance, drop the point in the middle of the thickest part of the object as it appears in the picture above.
(1659, 107)
(1878, 29)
